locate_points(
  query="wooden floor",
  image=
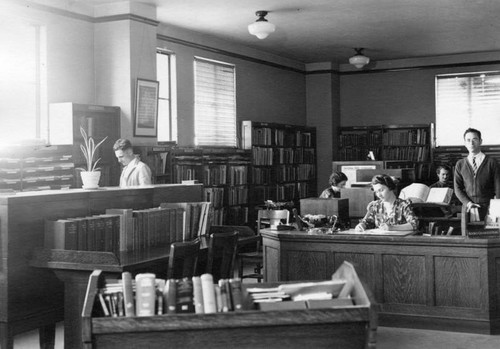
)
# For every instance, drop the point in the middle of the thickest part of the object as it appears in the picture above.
(387, 338)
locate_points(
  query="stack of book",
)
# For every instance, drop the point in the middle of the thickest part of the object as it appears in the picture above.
(147, 295)
(126, 230)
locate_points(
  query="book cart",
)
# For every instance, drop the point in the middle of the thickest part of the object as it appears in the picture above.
(336, 327)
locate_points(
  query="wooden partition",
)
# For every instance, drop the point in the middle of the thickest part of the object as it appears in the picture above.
(445, 283)
(30, 297)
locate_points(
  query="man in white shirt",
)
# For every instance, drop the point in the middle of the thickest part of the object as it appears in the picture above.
(135, 173)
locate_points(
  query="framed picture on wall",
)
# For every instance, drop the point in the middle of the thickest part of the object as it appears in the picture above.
(146, 108)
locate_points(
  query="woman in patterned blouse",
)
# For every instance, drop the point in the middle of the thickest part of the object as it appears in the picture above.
(389, 212)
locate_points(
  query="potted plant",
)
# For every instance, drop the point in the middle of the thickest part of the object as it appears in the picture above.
(90, 174)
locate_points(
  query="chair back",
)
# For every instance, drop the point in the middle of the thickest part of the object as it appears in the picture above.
(221, 255)
(183, 259)
(272, 217)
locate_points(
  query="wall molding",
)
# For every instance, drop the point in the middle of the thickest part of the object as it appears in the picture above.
(226, 53)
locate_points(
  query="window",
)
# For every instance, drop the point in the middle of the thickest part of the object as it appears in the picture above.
(467, 100)
(23, 97)
(167, 106)
(215, 103)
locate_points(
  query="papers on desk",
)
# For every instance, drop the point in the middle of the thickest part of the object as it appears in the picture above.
(377, 232)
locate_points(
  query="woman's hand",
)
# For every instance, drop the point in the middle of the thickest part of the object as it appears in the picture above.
(360, 227)
(385, 226)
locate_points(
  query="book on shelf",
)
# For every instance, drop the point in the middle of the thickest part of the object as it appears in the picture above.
(184, 296)
(209, 298)
(169, 295)
(198, 296)
(61, 234)
(419, 193)
(128, 294)
(145, 294)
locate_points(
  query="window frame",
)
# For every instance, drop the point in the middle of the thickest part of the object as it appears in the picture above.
(171, 98)
(466, 113)
(234, 131)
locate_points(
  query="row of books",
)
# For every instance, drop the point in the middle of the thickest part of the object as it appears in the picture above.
(416, 153)
(237, 195)
(281, 137)
(230, 215)
(216, 196)
(212, 175)
(357, 153)
(406, 137)
(270, 156)
(130, 230)
(372, 139)
(146, 295)
(236, 215)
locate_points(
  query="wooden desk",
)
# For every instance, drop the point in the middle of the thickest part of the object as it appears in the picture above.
(446, 283)
(33, 298)
(74, 268)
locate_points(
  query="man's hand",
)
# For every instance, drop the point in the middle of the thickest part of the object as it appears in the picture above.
(470, 205)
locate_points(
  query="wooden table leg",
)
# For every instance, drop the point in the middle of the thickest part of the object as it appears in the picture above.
(6, 336)
(47, 336)
(75, 287)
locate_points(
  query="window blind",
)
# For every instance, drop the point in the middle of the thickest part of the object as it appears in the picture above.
(215, 104)
(467, 100)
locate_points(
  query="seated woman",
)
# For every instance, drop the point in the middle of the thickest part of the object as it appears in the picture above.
(389, 212)
(337, 181)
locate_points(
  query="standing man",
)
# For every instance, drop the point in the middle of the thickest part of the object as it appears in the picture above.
(135, 172)
(477, 178)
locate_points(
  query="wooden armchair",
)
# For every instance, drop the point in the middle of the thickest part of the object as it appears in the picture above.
(221, 255)
(255, 257)
(183, 259)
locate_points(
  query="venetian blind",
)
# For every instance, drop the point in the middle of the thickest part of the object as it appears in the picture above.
(467, 100)
(215, 103)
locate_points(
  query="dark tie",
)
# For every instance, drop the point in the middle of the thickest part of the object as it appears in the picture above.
(474, 165)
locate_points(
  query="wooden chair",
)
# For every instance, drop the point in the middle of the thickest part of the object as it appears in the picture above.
(255, 257)
(221, 255)
(183, 259)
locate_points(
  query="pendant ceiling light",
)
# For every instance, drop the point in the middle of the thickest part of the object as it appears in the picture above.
(261, 28)
(359, 60)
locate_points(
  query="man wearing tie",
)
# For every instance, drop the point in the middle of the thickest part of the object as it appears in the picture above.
(135, 173)
(477, 178)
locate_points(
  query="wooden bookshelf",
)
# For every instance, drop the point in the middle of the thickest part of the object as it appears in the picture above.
(159, 160)
(225, 176)
(283, 161)
(349, 326)
(31, 298)
(399, 146)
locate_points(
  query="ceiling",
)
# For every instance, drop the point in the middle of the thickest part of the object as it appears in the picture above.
(328, 30)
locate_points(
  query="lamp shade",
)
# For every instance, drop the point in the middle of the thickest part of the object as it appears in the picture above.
(261, 28)
(359, 60)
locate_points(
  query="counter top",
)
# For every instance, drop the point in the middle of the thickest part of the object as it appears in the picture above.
(454, 240)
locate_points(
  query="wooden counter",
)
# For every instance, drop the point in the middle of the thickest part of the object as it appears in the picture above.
(446, 283)
(33, 298)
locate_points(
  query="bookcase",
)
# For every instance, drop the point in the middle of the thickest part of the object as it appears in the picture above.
(283, 161)
(347, 326)
(225, 175)
(399, 146)
(158, 158)
(24, 168)
(98, 121)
